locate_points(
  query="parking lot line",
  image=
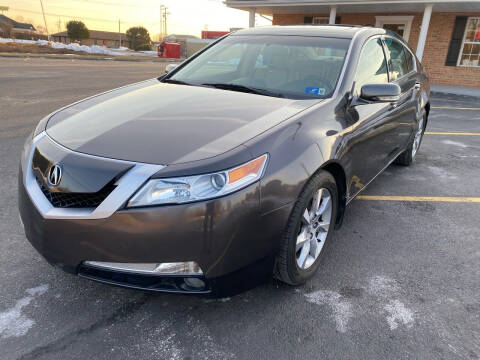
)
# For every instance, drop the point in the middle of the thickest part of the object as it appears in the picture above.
(455, 108)
(451, 133)
(458, 199)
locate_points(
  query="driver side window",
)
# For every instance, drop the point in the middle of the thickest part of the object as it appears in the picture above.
(372, 66)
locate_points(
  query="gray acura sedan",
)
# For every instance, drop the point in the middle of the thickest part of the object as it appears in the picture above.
(232, 167)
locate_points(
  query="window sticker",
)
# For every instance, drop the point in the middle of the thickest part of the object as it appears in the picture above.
(310, 90)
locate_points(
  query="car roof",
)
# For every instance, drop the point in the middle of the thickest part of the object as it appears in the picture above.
(336, 31)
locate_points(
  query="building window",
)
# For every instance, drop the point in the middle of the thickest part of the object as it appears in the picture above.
(320, 20)
(470, 53)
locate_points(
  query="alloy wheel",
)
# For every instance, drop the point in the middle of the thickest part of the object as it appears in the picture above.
(314, 228)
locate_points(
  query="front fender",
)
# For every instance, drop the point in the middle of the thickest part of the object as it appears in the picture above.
(294, 158)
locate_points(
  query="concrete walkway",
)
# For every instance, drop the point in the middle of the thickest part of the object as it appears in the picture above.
(456, 90)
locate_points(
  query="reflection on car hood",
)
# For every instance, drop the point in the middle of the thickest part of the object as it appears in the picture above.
(160, 123)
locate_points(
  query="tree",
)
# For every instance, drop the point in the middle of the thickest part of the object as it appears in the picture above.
(77, 30)
(40, 29)
(138, 38)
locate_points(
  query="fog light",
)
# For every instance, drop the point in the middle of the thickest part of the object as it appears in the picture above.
(176, 268)
(194, 283)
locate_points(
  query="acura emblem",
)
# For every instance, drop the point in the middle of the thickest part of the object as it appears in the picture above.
(55, 175)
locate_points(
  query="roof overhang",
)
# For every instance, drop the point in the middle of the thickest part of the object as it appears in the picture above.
(22, 29)
(270, 7)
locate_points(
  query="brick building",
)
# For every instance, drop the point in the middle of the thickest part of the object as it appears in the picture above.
(445, 33)
(16, 28)
(106, 38)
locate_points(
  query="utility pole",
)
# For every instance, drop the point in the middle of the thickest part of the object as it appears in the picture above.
(160, 37)
(163, 21)
(59, 25)
(119, 34)
(45, 20)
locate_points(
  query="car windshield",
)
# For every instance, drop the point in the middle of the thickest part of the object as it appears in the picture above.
(297, 67)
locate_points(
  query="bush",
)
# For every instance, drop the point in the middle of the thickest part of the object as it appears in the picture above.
(144, 47)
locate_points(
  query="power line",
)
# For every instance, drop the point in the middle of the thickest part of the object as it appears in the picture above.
(114, 3)
(82, 17)
(109, 3)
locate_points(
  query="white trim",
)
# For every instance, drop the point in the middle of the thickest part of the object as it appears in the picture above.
(405, 20)
(422, 38)
(333, 15)
(251, 17)
(463, 44)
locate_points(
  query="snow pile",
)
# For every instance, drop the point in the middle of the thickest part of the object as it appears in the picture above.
(92, 49)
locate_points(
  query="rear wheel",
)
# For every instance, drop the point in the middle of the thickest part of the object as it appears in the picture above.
(407, 157)
(309, 228)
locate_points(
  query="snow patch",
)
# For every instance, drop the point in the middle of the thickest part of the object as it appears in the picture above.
(13, 323)
(454, 143)
(163, 342)
(441, 173)
(39, 290)
(342, 309)
(387, 290)
(205, 345)
(398, 314)
(93, 49)
(382, 285)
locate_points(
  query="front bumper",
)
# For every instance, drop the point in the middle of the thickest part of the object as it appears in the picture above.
(233, 244)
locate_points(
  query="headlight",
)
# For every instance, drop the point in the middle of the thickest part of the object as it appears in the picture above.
(200, 187)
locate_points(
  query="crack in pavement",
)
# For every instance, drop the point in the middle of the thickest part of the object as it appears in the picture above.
(72, 337)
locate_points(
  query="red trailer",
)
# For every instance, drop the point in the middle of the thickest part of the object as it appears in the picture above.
(213, 34)
(169, 50)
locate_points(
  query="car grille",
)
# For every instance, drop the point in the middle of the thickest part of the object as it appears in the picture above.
(75, 200)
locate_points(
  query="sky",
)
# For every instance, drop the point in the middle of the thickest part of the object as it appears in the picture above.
(185, 16)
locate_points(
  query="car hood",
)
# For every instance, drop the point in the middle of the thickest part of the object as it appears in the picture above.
(159, 123)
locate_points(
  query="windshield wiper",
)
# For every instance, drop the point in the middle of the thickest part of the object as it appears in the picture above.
(173, 81)
(243, 88)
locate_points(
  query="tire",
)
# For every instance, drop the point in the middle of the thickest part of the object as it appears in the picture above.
(408, 156)
(287, 268)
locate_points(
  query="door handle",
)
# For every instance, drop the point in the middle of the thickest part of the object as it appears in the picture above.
(417, 86)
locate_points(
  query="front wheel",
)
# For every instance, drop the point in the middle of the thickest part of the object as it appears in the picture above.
(406, 158)
(308, 230)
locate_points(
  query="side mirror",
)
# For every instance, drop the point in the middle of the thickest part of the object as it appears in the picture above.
(380, 92)
(170, 67)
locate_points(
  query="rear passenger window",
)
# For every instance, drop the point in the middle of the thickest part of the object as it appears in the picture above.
(401, 61)
(372, 66)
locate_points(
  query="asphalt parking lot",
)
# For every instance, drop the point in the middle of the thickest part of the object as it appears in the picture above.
(401, 278)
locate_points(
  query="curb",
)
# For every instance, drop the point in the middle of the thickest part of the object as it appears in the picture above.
(459, 94)
(89, 57)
